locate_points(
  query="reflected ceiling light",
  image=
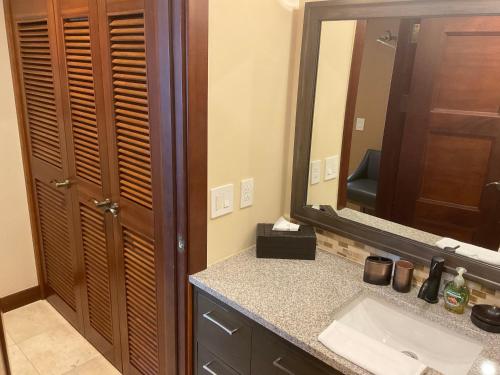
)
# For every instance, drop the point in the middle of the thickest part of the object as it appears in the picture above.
(290, 4)
(488, 368)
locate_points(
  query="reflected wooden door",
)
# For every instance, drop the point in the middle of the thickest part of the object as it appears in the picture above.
(451, 146)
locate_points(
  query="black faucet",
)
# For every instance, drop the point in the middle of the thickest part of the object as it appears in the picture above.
(430, 288)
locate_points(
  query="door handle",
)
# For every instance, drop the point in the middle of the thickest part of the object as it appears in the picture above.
(279, 366)
(207, 368)
(102, 204)
(114, 209)
(208, 317)
(108, 206)
(496, 184)
(64, 184)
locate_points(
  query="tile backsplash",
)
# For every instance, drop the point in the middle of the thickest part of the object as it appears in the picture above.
(357, 252)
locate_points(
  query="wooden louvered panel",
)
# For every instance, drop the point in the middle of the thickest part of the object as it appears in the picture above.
(38, 80)
(128, 55)
(97, 272)
(82, 99)
(140, 289)
(55, 240)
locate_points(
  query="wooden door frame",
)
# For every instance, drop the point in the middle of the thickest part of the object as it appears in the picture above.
(188, 41)
(350, 111)
(4, 356)
(396, 118)
(190, 33)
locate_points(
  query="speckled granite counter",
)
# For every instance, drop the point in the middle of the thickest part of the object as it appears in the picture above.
(297, 300)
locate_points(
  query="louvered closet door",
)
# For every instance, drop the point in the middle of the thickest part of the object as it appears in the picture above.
(128, 64)
(77, 27)
(36, 52)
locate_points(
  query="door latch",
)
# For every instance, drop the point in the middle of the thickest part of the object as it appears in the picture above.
(495, 184)
(181, 244)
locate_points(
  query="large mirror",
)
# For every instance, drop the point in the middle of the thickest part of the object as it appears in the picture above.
(404, 128)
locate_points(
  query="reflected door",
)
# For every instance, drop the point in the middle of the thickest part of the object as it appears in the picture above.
(451, 149)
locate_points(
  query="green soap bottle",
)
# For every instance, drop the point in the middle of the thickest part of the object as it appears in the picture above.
(456, 293)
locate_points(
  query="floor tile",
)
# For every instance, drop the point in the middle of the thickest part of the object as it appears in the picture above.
(58, 351)
(95, 366)
(31, 320)
(19, 364)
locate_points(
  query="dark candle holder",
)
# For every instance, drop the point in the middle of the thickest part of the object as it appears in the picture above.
(378, 270)
(403, 276)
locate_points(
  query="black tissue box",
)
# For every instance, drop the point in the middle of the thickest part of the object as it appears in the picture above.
(286, 245)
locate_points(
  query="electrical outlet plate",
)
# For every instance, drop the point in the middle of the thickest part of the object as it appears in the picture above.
(222, 199)
(247, 187)
(331, 167)
(315, 172)
(360, 124)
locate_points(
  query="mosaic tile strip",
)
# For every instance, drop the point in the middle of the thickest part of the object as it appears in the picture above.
(358, 252)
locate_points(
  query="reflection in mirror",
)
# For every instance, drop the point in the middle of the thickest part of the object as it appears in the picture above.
(406, 126)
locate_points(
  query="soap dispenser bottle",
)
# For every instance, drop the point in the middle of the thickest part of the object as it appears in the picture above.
(456, 293)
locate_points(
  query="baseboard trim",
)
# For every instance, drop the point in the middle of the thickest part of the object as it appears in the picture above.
(20, 299)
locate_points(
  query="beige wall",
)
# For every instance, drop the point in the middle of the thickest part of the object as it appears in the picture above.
(248, 119)
(373, 90)
(334, 67)
(17, 262)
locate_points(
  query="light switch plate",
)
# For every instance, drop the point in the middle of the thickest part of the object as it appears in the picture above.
(315, 172)
(360, 124)
(331, 167)
(246, 198)
(222, 199)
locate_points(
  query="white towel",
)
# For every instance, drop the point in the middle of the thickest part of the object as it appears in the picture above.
(368, 353)
(471, 251)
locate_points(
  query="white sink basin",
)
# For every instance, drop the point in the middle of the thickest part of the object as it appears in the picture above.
(435, 346)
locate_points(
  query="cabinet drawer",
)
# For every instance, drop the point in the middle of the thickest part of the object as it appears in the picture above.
(273, 356)
(225, 334)
(209, 364)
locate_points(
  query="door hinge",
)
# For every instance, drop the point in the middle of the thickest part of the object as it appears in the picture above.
(415, 32)
(181, 244)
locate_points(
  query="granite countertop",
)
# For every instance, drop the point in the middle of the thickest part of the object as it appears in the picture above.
(298, 299)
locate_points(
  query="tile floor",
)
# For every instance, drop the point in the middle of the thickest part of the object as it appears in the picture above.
(41, 342)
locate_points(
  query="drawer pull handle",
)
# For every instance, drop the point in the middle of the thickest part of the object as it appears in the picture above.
(207, 368)
(219, 324)
(279, 366)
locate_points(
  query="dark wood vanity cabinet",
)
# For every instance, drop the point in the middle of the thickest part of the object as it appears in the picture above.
(228, 343)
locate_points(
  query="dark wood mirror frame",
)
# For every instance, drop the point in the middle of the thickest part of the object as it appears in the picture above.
(315, 14)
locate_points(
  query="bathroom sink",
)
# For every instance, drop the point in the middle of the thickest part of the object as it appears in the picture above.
(433, 345)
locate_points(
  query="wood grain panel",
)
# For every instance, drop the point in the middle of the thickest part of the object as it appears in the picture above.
(130, 92)
(97, 272)
(82, 99)
(55, 238)
(38, 78)
(468, 75)
(140, 289)
(455, 169)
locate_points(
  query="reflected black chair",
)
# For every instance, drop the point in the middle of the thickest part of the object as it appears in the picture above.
(362, 185)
